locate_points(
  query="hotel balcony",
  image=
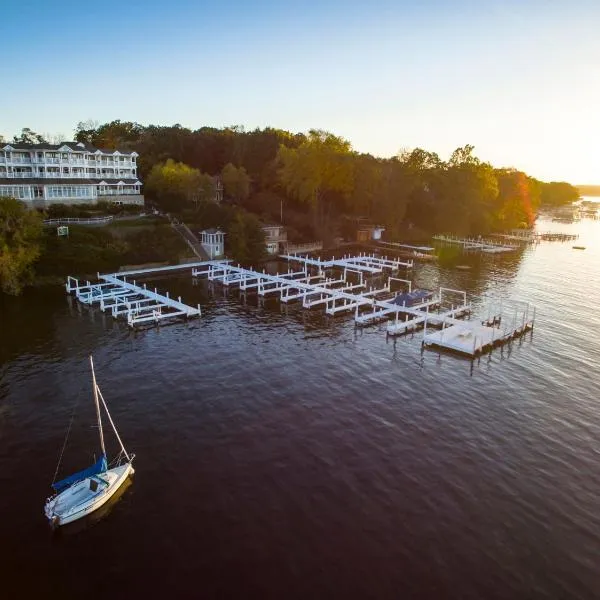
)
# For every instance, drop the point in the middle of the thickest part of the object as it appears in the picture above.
(58, 175)
(117, 192)
(63, 161)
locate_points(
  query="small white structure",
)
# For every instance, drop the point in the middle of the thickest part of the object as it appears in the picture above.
(213, 241)
(377, 231)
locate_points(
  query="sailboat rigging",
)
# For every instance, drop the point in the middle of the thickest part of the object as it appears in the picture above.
(87, 490)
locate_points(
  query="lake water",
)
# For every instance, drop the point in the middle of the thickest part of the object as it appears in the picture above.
(284, 454)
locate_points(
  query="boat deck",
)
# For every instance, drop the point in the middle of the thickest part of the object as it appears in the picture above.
(80, 497)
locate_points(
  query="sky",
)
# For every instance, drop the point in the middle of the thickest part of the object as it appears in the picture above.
(518, 79)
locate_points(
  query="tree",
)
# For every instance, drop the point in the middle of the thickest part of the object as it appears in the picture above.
(317, 170)
(20, 234)
(206, 188)
(236, 183)
(116, 135)
(558, 193)
(467, 198)
(55, 138)
(518, 199)
(29, 137)
(246, 238)
(173, 184)
(85, 130)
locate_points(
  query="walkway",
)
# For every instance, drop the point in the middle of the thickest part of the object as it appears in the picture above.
(192, 241)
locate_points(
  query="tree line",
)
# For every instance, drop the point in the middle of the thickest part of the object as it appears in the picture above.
(318, 177)
(321, 172)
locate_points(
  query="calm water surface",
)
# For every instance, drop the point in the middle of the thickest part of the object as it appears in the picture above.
(283, 454)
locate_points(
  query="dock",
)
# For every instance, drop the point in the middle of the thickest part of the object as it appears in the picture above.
(350, 284)
(475, 244)
(525, 236)
(474, 338)
(136, 303)
(367, 263)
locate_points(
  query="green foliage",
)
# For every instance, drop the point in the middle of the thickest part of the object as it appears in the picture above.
(173, 185)
(586, 190)
(518, 199)
(115, 135)
(320, 173)
(236, 183)
(319, 165)
(245, 239)
(88, 250)
(86, 210)
(159, 243)
(29, 137)
(206, 188)
(20, 234)
(85, 250)
(558, 193)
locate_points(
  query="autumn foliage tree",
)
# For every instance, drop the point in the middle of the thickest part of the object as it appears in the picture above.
(173, 185)
(318, 170)
(318, 173)
(20, 234)
(236, 183)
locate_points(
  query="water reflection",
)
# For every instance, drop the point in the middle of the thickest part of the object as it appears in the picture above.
(283, 450)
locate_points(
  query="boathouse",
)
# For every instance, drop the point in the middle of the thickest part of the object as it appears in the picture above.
(275, 238)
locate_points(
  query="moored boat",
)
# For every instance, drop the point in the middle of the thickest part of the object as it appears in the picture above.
(85, 491)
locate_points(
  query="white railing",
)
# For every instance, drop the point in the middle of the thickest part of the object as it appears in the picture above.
(66, 162)
(59, 175)
(79, 221)
(307, 247)
(118, 192)
(20, 175)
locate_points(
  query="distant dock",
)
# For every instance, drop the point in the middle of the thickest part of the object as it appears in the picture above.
(475, 244)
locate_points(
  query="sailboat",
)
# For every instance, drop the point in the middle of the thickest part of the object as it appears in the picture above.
(81, 493)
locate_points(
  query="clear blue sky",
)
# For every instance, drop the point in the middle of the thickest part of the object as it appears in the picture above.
(519, 79)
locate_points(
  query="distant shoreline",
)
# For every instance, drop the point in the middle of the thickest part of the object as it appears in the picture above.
(588, 190)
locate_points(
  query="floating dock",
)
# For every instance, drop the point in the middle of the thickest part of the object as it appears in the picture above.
(474, 338)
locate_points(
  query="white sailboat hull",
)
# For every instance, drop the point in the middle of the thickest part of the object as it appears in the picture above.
(80, 499)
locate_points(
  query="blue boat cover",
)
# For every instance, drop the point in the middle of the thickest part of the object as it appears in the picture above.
(98, 467)
(410, 298)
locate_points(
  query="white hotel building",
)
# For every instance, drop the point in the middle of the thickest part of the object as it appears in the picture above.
(68, 173)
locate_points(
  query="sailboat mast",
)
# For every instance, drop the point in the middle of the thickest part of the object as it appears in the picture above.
(97, 407)
(113, 426)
